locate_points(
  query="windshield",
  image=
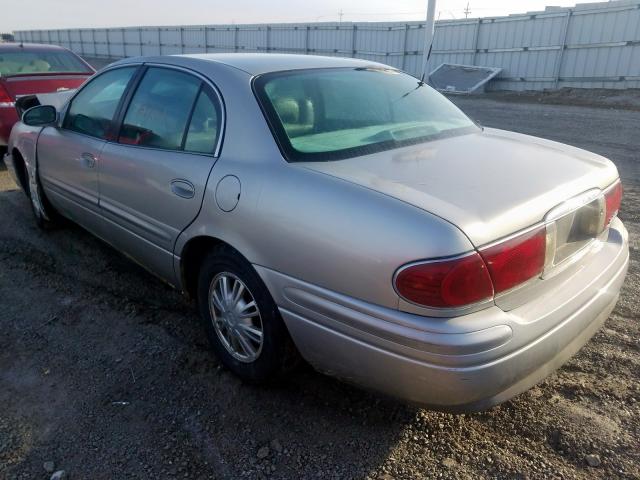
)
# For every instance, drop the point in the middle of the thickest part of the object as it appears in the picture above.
(47, 61)
(331, 114)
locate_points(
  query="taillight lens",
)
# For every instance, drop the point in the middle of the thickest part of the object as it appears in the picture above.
(5, 98)
(516, 260)
(448, 283)
(612, 199)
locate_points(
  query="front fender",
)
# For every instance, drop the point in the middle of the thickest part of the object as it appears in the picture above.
(23, 141)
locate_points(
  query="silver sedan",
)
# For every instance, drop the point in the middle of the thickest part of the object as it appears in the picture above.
(339, 210)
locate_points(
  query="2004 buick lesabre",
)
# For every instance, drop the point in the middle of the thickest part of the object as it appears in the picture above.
(340, 208)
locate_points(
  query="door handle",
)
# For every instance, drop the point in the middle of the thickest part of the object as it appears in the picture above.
(183, 188)
(88, 160)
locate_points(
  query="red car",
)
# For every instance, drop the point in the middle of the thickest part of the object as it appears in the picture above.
(33, 68)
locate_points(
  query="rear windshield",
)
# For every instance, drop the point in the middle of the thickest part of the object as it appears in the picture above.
(331, 114)
(56, 61)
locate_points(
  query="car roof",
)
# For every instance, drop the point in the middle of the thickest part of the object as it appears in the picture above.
(259, 63)
(26, 47)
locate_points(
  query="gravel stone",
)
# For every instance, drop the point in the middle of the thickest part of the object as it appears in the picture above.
(592, 460)
(263, 452)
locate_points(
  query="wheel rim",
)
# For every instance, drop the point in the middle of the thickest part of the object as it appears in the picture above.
(236, 317)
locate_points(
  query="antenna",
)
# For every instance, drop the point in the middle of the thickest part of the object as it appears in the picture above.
(428, 39)
(340, 14)
(467, 11)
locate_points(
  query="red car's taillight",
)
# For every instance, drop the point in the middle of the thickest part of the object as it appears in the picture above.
(612, 199)
(516, 260)
(5, 99)
(475, 277)
(446, 283)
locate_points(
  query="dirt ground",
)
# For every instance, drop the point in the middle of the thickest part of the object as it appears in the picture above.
(106, 372)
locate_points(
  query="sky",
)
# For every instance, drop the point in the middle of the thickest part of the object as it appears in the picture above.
(51, 14)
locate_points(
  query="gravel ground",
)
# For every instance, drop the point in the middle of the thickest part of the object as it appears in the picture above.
(105, 371)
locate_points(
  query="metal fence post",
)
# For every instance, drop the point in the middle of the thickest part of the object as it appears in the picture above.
(81, 42)
(159, 42)
(106, 34)
(268, 39)
(235, 39)
(93, 39)
(124, 44)
(140, 40)
(181, 39)
(563, 46)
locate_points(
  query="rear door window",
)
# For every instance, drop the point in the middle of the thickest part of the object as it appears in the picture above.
(160, 109)
(204, 128)
(92, 110)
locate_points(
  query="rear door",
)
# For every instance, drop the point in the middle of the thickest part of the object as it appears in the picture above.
(152, 179)
(68, 156)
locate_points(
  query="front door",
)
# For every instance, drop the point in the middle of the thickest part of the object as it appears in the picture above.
(69, 155)
(152, 180)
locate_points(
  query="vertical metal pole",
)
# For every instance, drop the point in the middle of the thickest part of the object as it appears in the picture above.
(475, 42)
(93, 40)
(181, 39)
(106, 34)
(206, 40)
(563, 46)
(404, 46)
(235, 39)
(306, 40)
(140, 40)
(124, 44)
(354, 34)
(268, 39)
(159, 42)
(428, 39)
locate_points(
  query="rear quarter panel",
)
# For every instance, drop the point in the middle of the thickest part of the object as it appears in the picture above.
(309, 225)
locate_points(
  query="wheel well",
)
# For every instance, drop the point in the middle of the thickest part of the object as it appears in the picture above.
(192, 255)
(20, 169)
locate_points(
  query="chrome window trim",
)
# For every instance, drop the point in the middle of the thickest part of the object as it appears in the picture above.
(223, 114)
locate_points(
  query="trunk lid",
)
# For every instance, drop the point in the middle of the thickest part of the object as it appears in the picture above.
(489, 184)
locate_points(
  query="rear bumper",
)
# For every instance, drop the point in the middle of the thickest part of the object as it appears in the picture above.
(8, 117)
(466, 363)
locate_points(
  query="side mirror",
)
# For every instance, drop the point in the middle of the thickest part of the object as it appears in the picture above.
(40, 116)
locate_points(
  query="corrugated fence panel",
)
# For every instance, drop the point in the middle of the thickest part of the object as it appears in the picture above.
(589, 45)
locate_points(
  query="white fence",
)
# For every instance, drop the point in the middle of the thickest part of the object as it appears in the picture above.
(592, 45)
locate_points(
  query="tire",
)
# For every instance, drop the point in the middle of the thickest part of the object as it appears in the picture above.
(275, 353)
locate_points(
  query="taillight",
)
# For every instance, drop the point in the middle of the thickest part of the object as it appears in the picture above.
(475, 277)
(612, 199)
(446, 283)
(5, 99)
(516, 260)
